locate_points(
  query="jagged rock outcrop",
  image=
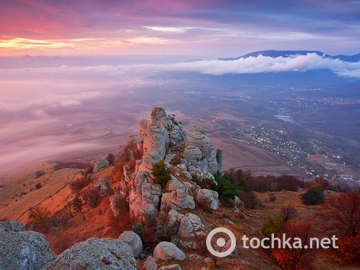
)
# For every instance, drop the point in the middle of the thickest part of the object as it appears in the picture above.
(168, 251)
(208, 198)
(199, 151)
(94, 254)
(134, 241)
(23, 249)
(162, 137)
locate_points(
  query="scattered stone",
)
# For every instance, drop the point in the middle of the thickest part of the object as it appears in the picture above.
(167, 251)
(171, 267)
(186, 228)
(134, 241)
(239, 202)
(328, 192)
(195, 257)
(150, 264)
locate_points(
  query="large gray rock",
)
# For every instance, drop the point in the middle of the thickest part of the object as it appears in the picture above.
(100, 164)
(94, 254)
(23, 250)
(134, 241)
(168, 251)
(208, 198)
(11, 225)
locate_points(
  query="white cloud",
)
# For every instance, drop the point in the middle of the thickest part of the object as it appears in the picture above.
(168, 29)
(263, 64)
(152, 40)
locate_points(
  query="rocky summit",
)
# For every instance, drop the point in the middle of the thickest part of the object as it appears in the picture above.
(185, 155)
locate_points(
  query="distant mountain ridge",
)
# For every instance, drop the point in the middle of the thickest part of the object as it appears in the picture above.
(276, 53)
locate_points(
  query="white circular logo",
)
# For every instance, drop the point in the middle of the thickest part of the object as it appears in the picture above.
(221, 242)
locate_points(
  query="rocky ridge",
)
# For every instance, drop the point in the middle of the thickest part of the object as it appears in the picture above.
(163, 138)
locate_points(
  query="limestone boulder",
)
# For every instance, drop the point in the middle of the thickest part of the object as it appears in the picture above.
(208, 198)
(168, 251)
(23, 249)
(100, 164)
(186, 228)
(94, 253)
(134, 241)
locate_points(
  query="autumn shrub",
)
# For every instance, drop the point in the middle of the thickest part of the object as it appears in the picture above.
(313, 197)
(343, 213)
(160, 173)
(122, 160)
(288, 212)
(348, 250)
(89, 169)
(250, 200)
(77, 205)
(298, 257)
(272, 225)
(92, 198)
(38, 216)
(317, 186)
(208, 183)
(78, 184)
(342, 216)
(110, 158)
(240, 175)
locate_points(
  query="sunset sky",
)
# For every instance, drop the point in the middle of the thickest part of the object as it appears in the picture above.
(59, 56)
(209, 28)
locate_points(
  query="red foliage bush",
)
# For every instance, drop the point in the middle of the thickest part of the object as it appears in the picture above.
(92, 198)
(296, 258)
(78, 184)
(343, 213)
(348, 249)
